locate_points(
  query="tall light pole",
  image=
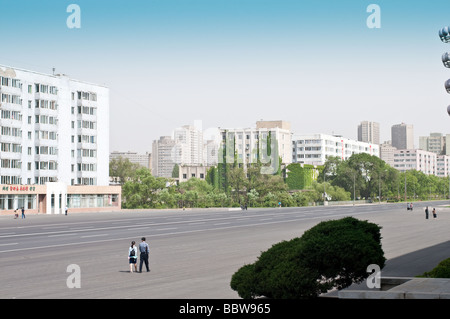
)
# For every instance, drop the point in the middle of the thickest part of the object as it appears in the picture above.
(379, 188)
(405, 185)
(354, 188)
(444, 34)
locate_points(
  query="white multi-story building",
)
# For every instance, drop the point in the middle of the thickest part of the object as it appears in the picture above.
(443, 165)
(315, 149)
(189, 145)
(415, 159)
(249, 143)
(53, 129)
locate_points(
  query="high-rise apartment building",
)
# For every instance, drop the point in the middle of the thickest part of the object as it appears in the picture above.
(53, 129)
(54, 144)
(163, 156)
(435, 143)
(369, 132)
(189, 145)
(402, 136)
(249, 143)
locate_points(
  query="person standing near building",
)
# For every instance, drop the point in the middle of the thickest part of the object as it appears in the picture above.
(144, 250)
(132, 256)
(23, 212)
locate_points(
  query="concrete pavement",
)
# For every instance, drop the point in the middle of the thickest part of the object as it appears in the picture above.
(195, 261)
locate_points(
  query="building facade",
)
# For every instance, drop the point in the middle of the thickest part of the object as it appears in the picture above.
(53, 129)
(415, 159)
(144, 160)
(387, 152)
(251, 144)
(315, 149)
(402, 136)
(187, 172)
(56, 197)
(189, 145)
(54, 144)
(163, 156)
(369, 132)
(443, 166)
(435, 143)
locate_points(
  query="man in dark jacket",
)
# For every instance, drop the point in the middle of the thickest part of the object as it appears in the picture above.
(144, 249)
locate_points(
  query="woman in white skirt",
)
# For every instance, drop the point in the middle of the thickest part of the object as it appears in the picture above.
(132, 256)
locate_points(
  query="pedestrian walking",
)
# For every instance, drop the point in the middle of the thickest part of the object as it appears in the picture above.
(426, 213)
(143, 258)
(65, 212)
(434, 213)
(132, 256)
(23, 212)
(16, 214)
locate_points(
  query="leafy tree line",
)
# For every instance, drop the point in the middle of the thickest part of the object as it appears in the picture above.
(229, 185)
(368, 177)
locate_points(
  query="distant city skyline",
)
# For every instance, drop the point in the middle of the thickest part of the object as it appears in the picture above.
(231, 63)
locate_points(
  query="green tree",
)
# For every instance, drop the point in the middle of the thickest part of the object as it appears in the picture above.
(142, 189)
(332, 254)
(176, 171)
(237, 182)
(122, 169)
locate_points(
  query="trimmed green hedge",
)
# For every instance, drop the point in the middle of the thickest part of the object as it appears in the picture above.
(332, 254)
(442, 270)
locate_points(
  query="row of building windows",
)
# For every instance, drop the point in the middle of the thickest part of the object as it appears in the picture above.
(11, 147)
(10, 202)
(11, 115)
(6, 179)
(10, 98)
(15, 83)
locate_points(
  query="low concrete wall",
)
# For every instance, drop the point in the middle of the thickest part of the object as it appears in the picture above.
(403, 288)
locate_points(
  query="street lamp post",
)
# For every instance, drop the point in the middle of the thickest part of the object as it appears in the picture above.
(379, 189)
(354, 188)
(405, 186)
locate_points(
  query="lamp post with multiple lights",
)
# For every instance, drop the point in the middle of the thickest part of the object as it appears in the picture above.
(444, 34)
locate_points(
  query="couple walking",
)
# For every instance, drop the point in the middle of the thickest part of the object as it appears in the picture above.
(426, 213)
(132, 255)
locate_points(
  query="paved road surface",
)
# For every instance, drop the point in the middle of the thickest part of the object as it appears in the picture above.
(193, 253)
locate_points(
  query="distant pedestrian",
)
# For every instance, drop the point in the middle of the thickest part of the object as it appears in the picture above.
(426, 213)
(143, 258)
(434, 213)
(23, 212)
(132, 256)
(65, 212)
(16, 214)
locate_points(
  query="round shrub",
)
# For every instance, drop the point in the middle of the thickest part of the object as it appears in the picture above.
(341, 250)
(332, 254)
(442, 270)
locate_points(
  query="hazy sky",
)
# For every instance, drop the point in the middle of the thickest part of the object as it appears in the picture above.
(230, 63)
